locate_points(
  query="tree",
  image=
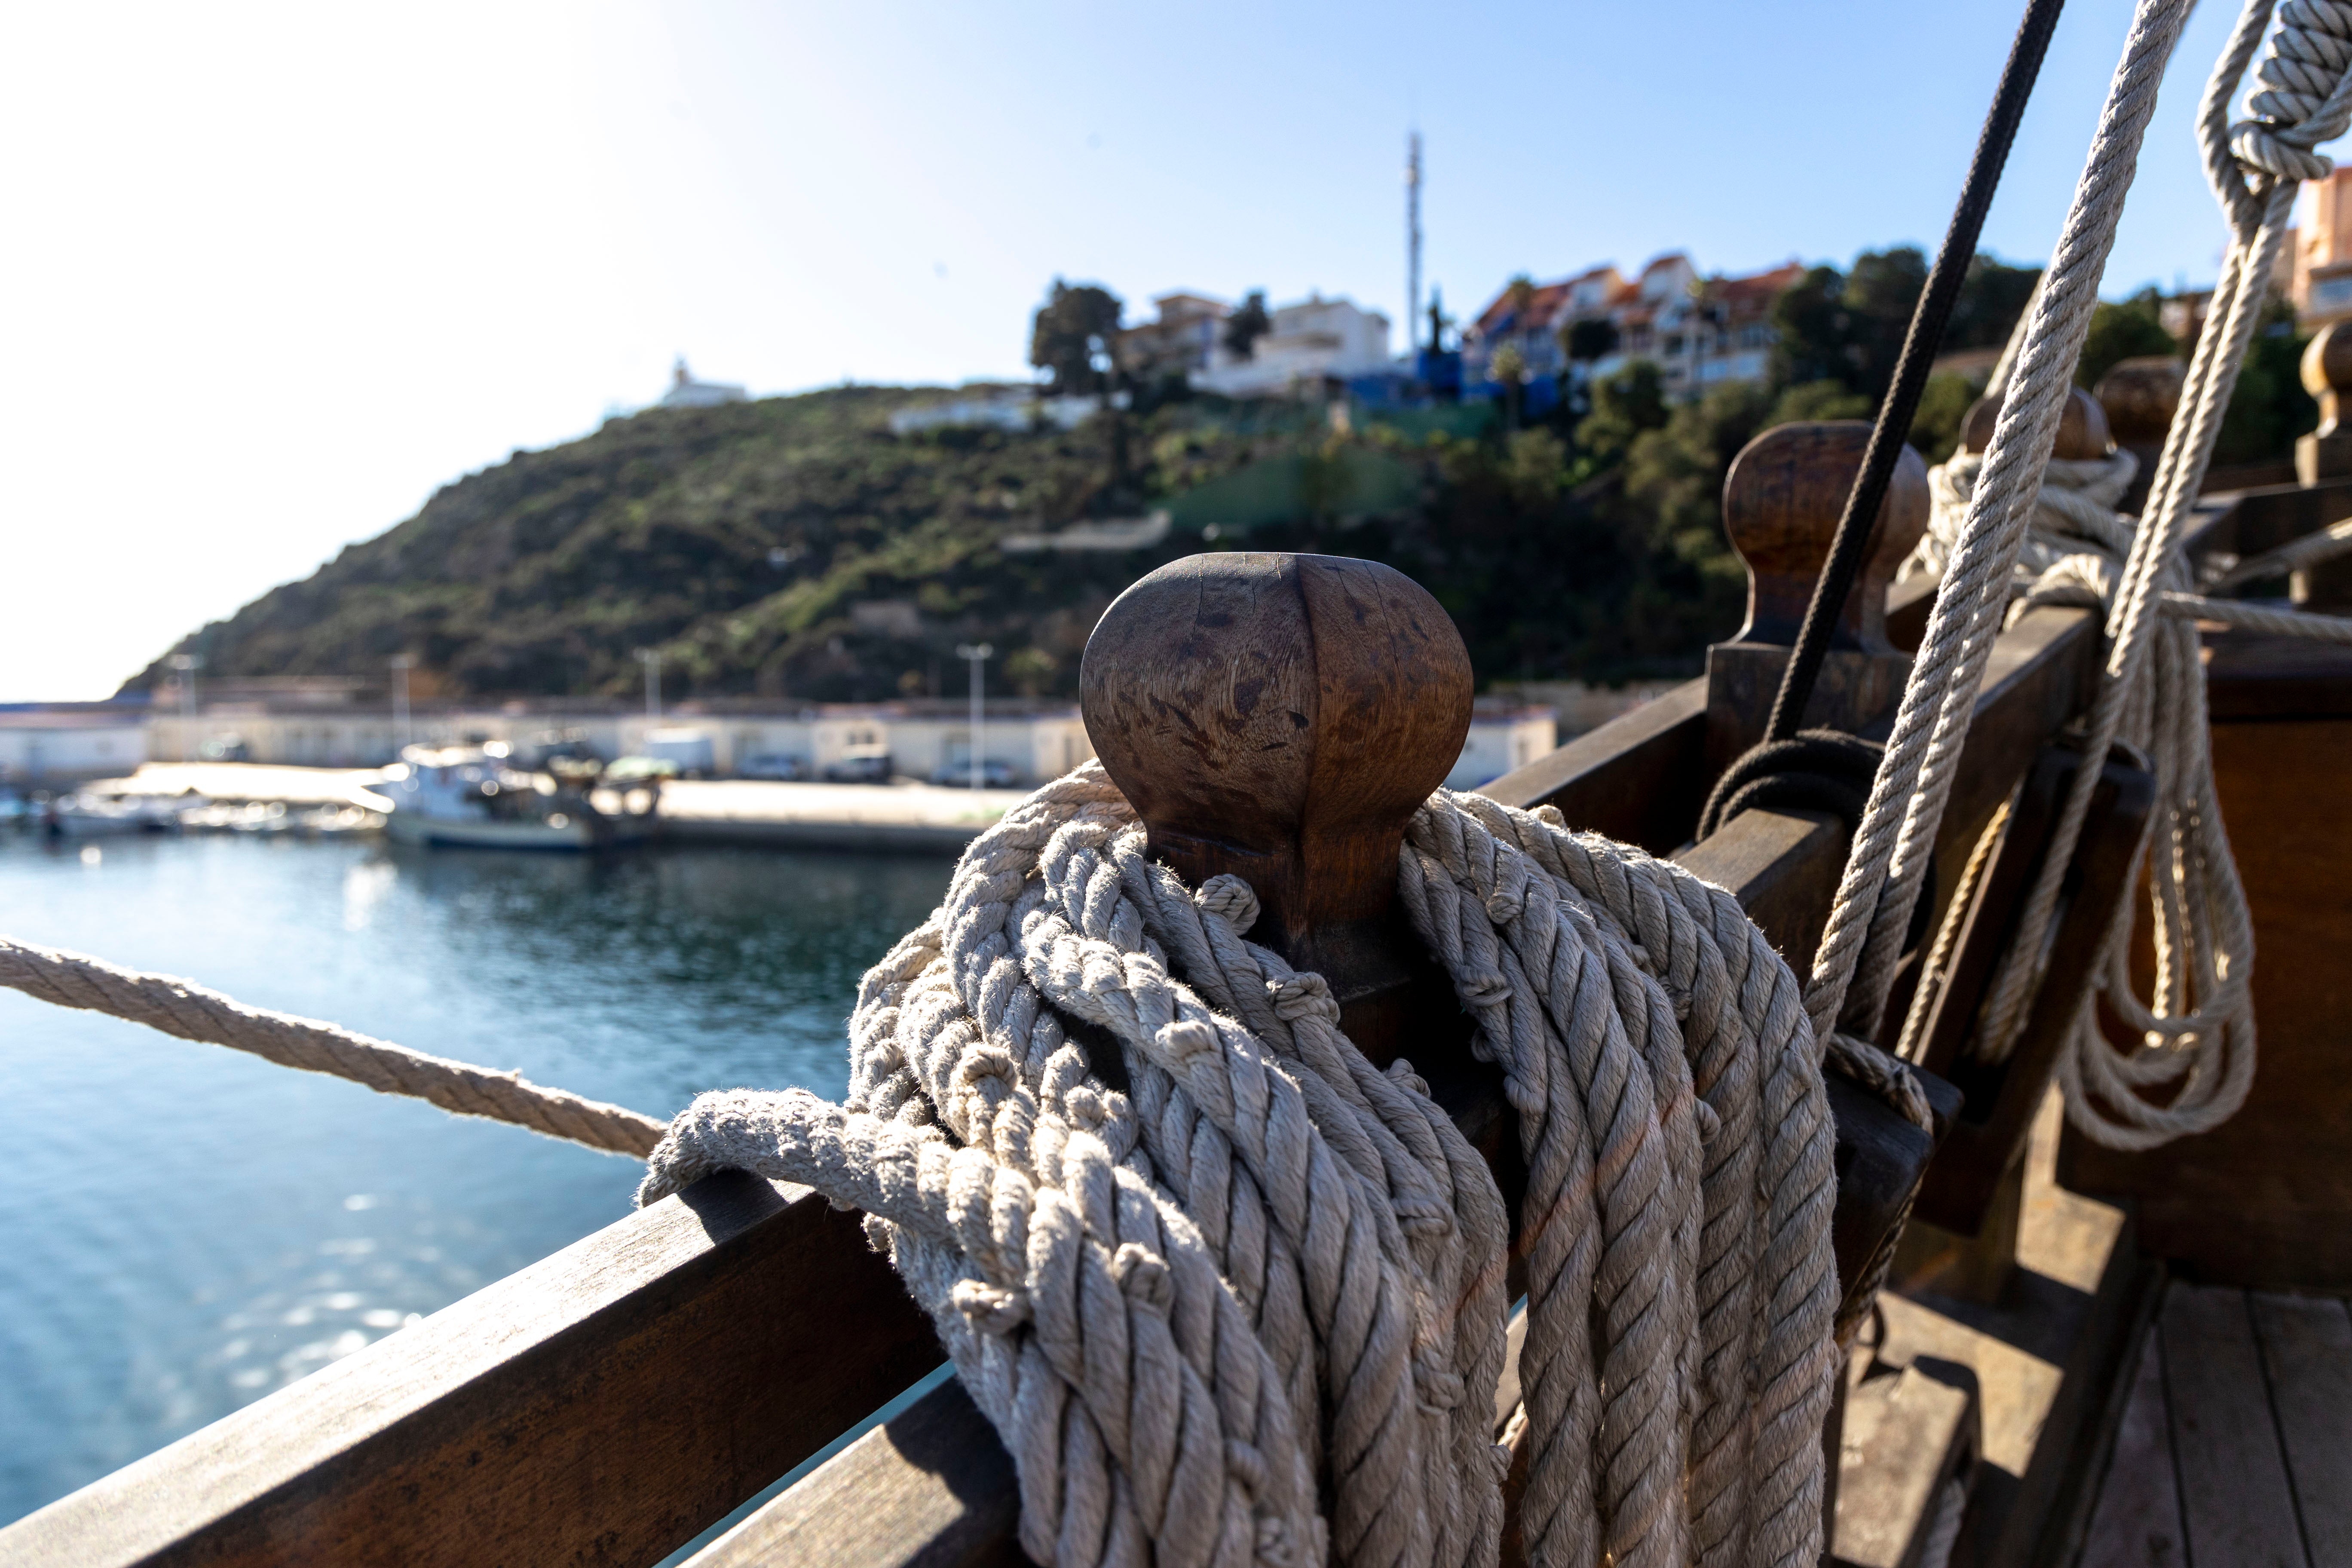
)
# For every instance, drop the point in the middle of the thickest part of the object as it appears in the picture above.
(2270, 408)
(1075, 338)
(1509, 367)
(2122, 330)
(1936, 427)
(1626, 402)
(1593, 337)
(1809, 326)
(1993, 294)
(1849, 326)
(1521, 293)
(1816, 400)
(1247, 324)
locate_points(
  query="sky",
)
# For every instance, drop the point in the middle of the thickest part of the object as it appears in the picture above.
(275, 274)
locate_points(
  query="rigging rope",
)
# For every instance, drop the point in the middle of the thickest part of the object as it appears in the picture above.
(192, 1011)
(1854, 965)
(1912, 368)
(2195, 1033)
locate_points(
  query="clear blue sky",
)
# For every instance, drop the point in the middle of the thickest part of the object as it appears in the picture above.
(275, 274)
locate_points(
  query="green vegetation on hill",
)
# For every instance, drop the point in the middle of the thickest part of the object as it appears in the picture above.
(794, 549)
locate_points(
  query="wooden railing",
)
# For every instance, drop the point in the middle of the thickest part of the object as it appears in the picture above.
(610, 1403)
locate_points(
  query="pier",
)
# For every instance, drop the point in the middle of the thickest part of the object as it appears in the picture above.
(904, 817)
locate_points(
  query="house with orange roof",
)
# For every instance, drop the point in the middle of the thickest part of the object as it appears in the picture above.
(1701, 332)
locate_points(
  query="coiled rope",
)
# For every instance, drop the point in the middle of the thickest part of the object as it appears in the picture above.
(1304, 1245)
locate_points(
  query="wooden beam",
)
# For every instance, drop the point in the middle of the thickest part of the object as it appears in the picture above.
(1640, 778)
(933, 1486)
(602, 1405)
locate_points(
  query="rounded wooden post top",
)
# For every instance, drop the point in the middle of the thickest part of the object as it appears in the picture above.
(2328, 372)
(1782, 501)
(2082, 428)
(1280, 717)
(2139, 397)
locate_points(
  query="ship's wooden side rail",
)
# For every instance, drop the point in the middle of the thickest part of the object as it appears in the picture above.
(610, 1403)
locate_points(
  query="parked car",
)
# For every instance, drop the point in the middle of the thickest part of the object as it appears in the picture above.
(859, 767)
(994, 774)
(773, 766)
(690, 750)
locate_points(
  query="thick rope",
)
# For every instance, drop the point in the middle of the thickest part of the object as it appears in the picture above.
(184, 1008)
(1029, 1063)
(2196, 1037)
(1854, 965)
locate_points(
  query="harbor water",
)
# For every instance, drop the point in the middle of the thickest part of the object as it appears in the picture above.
(183, 1228)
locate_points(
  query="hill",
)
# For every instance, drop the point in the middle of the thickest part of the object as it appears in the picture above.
(795, 548)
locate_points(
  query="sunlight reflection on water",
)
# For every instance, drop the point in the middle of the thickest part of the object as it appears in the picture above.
(189, 1228)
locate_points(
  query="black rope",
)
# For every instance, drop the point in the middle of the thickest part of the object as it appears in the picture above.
(1928, 319)
(1815, 770)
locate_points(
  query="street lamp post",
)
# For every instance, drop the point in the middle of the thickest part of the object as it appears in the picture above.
(976, 654)
(651, 659)
(187, 664)
(402, 664)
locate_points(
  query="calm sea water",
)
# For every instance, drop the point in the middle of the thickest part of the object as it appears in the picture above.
(183, 1228)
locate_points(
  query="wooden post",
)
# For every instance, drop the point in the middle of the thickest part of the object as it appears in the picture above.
(2326, 454)
(2139, 397)
(1281, 718)
(1780, 506)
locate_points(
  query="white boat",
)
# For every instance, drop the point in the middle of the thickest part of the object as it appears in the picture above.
(89, 815)
(470, 797)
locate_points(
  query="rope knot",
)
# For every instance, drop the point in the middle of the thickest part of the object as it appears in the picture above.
(1231, 899)
(1487, 990)
(1185, 1038)
(1143, 1274)
(992, 1308)
(1302, 997)
(1436, 1388)
(1402, 1071)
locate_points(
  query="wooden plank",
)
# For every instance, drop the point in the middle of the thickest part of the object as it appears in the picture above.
(2234, 1484)
(602, 1405)
(2137, 1520)
(2046, 1355)
(1907, 1435)
(931, 1487)
(1639, 778)
(1784, 866)
(2306, 1344)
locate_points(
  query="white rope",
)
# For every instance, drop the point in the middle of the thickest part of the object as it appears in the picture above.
(1855, 963)
(1204, 1264)
(2195, 1032)
(2329, 542)
(192, 1011)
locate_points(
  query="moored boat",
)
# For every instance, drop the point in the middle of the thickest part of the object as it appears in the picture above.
(473, 797)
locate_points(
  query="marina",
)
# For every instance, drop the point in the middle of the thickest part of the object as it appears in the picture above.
(910, 976)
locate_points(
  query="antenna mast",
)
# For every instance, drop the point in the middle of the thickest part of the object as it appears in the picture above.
(1413, 240)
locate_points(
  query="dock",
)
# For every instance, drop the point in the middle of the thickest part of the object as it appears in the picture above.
(903, 817)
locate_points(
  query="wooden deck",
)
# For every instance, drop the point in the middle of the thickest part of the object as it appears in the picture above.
(2235, 1445)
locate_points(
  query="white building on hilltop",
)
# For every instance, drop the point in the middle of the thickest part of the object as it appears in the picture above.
(1311, 341)
(685, 392)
